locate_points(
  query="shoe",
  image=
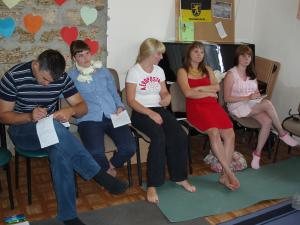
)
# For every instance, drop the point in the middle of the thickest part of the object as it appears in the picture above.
(255, 161)
(289, 140)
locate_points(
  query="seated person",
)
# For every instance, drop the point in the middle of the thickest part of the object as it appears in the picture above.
(244, 100)
(200, 86)
(98, 89)
(29, 92)
(148, 96)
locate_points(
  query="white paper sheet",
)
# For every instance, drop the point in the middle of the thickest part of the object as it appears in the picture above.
(46, 132)
(121, 119)
(22, 223)
(221, 30)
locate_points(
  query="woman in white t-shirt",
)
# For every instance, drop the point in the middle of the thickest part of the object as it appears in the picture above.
(148, 96)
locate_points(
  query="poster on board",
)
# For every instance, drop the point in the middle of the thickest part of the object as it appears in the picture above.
(195, 10)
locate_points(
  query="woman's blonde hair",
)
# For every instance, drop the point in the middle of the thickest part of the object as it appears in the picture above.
(149, 47)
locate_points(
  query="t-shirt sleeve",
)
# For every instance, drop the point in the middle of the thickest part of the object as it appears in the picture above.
(162, 75)
(132, 76)
(69, 88)
(8, 91)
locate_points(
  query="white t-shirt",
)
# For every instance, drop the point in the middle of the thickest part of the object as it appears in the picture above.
(147, 84)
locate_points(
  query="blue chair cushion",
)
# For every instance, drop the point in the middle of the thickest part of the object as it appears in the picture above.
(5, 156)
(32, 153)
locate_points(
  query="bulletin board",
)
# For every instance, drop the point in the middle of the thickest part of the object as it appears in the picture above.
(208, 31)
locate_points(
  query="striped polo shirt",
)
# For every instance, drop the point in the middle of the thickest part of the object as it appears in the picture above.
(20, 86)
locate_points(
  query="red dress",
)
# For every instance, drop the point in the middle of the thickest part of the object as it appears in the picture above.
(205, 113)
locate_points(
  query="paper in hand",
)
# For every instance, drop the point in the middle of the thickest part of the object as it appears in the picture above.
(121, 119)
(46, 132)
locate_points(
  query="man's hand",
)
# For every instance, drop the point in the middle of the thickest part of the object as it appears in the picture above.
(64, 114)
(38, 113)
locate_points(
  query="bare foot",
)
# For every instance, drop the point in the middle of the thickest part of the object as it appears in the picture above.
(233, 180)
(187, 186)
(225, 181)
(112, 172)
(152, 195)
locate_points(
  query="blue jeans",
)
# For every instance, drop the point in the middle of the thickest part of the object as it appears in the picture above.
(65, 157)
(92, 136)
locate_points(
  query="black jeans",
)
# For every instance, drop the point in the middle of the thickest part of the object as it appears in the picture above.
(92, 135)
(168, 144)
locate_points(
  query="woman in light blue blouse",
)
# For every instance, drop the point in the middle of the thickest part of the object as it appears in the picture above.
(97, 87)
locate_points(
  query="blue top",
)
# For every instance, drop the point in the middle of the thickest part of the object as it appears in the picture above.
(19, 85)
(100, 94)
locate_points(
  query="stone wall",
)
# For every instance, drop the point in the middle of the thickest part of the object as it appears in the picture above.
(24, 46)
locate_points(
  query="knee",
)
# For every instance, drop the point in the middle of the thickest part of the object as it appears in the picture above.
(230, 135)
(266, 122)
(213, 133)
(59, 128)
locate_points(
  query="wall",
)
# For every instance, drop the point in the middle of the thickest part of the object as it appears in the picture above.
(263, 22)
(276, 34)
(25, 46)
(130, 23)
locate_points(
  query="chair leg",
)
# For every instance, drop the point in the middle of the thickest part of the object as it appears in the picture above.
(190, 151)
(129, 173)
(138, 161)
(276, 151)
(28, 171)
(10, 192)
(17, 170)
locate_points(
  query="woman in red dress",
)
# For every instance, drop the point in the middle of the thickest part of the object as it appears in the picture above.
(200, 86)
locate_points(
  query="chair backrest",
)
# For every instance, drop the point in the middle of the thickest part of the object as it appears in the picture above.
(124, 100)
(115, 75)
(267, 71)
(177, 99)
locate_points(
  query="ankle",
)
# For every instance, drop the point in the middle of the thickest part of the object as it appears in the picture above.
(256, 153)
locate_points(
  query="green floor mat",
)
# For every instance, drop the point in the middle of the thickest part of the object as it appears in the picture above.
(269, 182)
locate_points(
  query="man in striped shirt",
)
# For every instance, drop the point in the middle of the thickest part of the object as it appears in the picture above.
(29, 92)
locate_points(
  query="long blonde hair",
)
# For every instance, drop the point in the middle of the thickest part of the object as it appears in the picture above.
(149, 47)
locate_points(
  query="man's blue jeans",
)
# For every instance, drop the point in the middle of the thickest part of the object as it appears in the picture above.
(65, 157)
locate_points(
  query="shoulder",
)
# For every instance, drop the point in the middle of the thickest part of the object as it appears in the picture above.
(133, 73)
(73, 73)
(209, 69)
(182, 72)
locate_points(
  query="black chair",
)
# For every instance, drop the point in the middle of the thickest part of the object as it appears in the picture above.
(292, 125)
(5, 157)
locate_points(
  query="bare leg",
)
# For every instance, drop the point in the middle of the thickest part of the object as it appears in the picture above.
(219, 152)
(112, 170)
(228, 137)
(152, 195)
(266, 106)
(187, 186)
(266, 123)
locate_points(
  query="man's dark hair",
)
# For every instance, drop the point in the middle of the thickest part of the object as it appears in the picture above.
(53, 62)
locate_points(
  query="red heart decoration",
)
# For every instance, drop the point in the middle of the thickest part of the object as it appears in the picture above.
(60, 2)
(69, 34)
(94, 45)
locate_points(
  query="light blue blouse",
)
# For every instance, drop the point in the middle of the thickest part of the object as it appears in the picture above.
(100, 94)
